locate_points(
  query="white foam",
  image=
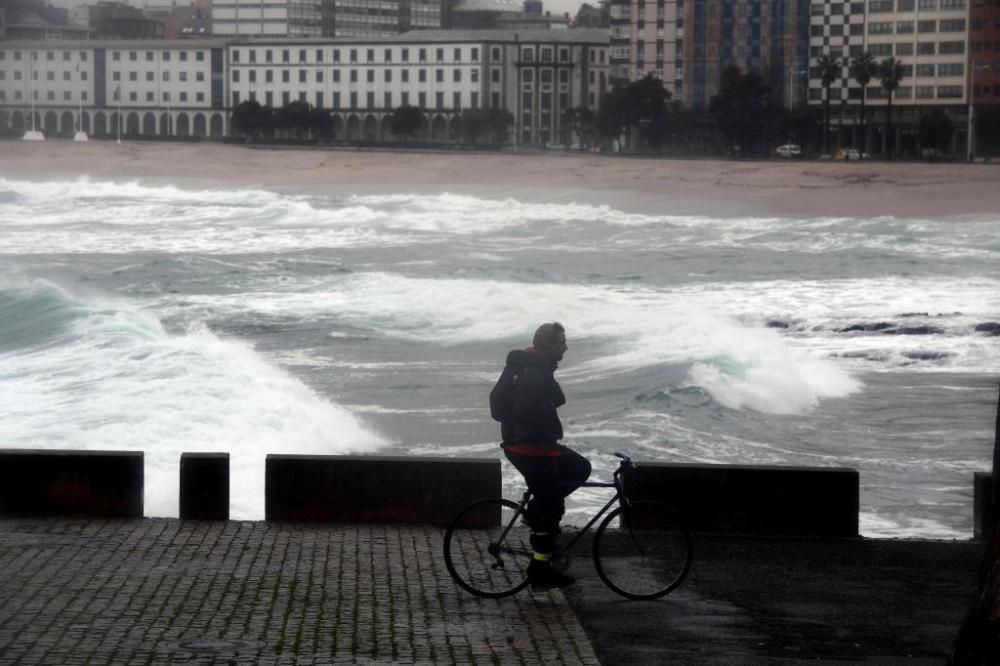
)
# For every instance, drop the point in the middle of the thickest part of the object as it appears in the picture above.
(125, 384)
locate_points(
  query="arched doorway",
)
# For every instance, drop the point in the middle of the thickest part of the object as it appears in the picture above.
(165, 124)
(338, 127)
(67, 122)
(100, 124)
(371, 129)
(353, 128)
(115, 125)
(17, 122)
(149, 124)
(439, 129)
(455, 133)
(425, 129)
(132, 124)
(51, 123)
(387, 134)
(183, 127)
(85, 122)
(199, 124)
(215, 128)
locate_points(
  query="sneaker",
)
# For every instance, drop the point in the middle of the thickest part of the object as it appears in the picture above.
(541, 576)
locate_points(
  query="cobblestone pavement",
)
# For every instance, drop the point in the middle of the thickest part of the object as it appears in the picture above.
(155, 591)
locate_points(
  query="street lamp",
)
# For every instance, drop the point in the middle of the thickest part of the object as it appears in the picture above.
(971, 131)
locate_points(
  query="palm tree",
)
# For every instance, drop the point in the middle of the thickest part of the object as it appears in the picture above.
(863, 68)
(829, 69)
(890, 73)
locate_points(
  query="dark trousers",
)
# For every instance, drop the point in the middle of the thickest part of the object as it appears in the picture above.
(550, 479)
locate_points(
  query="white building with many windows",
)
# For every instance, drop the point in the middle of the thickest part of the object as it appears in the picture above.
(188, 89)
(323, 18)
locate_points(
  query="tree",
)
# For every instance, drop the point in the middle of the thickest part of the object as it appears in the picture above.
(936, 130)
(321, 124)
(252, 120)
(406, 121)
(863, 68)
(582, 122)
(500, 121)
(890, 73)
(740, 107)
(293, 118)
(640, 106)
(829, 69)
(475, 123)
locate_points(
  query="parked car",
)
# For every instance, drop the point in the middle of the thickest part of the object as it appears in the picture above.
(788, 150)
(855, 154)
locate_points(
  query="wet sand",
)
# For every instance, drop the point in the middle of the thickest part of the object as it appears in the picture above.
(656, 186)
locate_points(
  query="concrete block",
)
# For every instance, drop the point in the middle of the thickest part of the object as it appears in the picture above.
(204, 488)
(791, 501)
(982, 505)
(71, 483)
(377, 489)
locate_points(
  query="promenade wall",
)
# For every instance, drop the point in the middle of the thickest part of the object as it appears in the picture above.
(733, 499)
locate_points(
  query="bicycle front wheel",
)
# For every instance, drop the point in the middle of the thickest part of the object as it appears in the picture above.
(487, 551)
(645, 554)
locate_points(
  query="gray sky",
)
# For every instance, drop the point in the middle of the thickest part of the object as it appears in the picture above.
(554, 6)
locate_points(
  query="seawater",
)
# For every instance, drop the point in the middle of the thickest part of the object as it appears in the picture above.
(166, 320)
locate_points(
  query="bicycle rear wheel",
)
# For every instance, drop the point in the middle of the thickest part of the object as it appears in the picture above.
(646, 555)
(486, 550)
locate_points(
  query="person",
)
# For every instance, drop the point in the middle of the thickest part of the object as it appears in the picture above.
(531, 442)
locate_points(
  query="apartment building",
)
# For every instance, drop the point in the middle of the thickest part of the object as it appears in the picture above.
(647, 38)
(323, 18)
(185, 88)
(687, 43)
(931, 38)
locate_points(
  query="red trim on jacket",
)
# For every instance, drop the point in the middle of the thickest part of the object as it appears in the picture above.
(537, 449)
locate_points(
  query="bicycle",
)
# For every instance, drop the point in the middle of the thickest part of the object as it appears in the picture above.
(487, 552)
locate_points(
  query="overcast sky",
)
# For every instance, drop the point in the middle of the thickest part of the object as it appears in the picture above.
(554, 6)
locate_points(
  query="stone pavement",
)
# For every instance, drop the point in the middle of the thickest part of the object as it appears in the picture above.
(156, 591)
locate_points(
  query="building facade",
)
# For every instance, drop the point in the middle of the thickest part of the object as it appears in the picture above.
(648, 38)
(117, 20)
(945, 47)
(323, 18)
(187, 88)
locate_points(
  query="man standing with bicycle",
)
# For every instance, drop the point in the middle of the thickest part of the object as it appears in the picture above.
(525, 400)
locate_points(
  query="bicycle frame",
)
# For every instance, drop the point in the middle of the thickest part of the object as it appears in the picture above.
(619, 496)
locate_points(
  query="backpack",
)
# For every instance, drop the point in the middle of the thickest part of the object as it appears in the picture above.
(502, 395)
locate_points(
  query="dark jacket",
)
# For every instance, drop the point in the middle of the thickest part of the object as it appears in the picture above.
(536, 397)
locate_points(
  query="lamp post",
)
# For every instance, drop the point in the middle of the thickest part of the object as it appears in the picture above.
(971, 131)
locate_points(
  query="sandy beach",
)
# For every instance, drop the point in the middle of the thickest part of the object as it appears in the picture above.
(660, 186)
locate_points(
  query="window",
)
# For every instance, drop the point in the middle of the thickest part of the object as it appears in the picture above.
(439, 75)
(879, 6)
(354, 100)
(149, 76)
(336, 55)
(336, 76)
(951, 48)
(166, 75)
(184, 76)
(133, 56)
(199, 76)
(474, 75)
(457, 55)
(268, 56)
(371, 76)
(456, 100)
(406, 55)
(456, 76)
(904, 27)
(336, 100)
(925, 70)
(253, 55)
(354, 76)
(319, 58)
(546, 54)
(302, 76)
(904, 49)
(370, 55)
(423, 55)
(200, 56)
(527, 55)
(952, 25)
(269, 76)
(319, 100)
(440, 55)
(405, 74)
(115, 55)
(387, 55)
(951, 69)
(496, 54)
(199, 97)
(495, 76)
(927, 4)
(184, 56)
(926, 48)
(387, 100)
(880, 50)
(115, 76)
(904, 5)
(422, 75)
(949, 92)
(475, 55)
(286, 98)
(927, 26)
(285, 55)
(880, 28)
(406, 99)
(354, 55)
(527, 76)
(439, 100)
(184, 97)
(286, 76)
(51, 76)
(319, 76)
(253, 76)
(302, 55)
(387, 76)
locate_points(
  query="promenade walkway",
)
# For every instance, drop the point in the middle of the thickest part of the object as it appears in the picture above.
(158, 591)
